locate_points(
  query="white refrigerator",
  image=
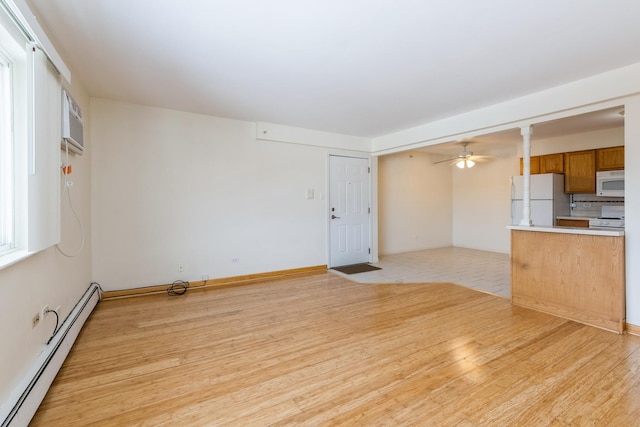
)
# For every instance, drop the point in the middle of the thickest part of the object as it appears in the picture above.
(547, 196)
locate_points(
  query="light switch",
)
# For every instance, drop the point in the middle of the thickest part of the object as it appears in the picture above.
(310, 193)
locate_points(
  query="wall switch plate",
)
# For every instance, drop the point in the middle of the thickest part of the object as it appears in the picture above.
(43, 311)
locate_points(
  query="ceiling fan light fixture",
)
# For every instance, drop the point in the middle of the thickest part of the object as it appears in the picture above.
(465, 163)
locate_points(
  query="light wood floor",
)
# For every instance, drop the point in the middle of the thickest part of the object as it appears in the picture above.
(322, 350)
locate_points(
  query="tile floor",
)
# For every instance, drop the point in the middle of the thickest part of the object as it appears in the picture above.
(484, 271)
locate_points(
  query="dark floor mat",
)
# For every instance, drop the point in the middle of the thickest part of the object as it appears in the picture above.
(356, 268)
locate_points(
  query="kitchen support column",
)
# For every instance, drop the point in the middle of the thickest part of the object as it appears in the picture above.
(526, 132)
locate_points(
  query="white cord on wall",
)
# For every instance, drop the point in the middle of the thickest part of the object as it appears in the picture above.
(75, 214)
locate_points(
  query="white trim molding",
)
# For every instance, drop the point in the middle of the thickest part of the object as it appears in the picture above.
(28, 24)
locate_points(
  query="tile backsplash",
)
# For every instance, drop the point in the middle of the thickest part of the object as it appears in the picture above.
(591, 205)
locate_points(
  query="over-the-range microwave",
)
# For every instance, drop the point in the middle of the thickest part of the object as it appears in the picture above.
(610, 183)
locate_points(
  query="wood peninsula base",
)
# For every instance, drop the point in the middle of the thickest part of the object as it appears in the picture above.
(571, 273)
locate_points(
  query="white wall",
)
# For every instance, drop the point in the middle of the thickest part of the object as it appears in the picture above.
(172, 187)
(46, 277)
(414, 203)
(482, 204)
(632, 208)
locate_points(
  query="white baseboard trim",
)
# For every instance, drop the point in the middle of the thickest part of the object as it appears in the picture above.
(27, 396)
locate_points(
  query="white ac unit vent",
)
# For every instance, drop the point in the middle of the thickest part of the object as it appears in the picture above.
(72, 124)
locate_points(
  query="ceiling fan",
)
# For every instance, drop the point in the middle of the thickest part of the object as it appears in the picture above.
(464, 159)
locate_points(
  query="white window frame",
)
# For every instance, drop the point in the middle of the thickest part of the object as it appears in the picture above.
(7, 201)
(30, 181)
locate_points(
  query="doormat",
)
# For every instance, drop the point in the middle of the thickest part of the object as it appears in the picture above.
(356, 268)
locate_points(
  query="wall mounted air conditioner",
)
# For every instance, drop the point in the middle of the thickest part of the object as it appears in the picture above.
(72, 125)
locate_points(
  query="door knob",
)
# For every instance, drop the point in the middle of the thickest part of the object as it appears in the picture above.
(335, 217)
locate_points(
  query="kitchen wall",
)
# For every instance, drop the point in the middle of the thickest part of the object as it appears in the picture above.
(586, 204)
(414, 202)
(48, 277)
(172, 187)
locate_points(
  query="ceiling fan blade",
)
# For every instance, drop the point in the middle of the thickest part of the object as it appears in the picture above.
(480, 158)
(447, 160)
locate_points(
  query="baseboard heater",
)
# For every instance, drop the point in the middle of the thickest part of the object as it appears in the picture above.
(27, 396)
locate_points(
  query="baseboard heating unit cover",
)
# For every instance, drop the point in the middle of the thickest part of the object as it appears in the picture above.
(18, 410)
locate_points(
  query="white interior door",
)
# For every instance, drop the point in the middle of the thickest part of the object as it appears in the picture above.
(349, 211)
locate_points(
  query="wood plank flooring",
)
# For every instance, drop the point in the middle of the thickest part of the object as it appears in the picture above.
(322, 350)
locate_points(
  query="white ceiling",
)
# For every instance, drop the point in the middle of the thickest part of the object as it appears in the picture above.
(356, 67)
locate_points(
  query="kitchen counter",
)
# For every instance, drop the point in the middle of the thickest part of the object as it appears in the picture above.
(568, 230)
(578, 218)
(575, 273)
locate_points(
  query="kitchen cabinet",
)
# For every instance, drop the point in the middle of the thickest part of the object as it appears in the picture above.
(580, 171)
(611, 158)
(535, 165)
(552, 163)
(563, 222)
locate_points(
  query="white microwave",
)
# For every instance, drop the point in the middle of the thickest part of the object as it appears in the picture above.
(610, 183)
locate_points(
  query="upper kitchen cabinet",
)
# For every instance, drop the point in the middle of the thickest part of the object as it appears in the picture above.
(535, 165)
(552, 163)
(580, 171)
(611, 158)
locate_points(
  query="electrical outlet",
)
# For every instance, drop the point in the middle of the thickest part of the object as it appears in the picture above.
(35, 320)
(235, 260)
(180, 267)
(43, 311)
(205, 277)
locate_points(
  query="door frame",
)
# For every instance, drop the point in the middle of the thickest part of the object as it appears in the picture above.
(373, 203)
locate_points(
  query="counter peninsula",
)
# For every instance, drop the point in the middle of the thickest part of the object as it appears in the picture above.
(575, 273)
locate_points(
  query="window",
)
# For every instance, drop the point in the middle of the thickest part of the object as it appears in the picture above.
(30, 118)
(6, 158)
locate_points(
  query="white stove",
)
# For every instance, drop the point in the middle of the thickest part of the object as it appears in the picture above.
(611, 218)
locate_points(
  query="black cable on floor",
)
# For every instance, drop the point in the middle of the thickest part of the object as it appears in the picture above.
(179, 287)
